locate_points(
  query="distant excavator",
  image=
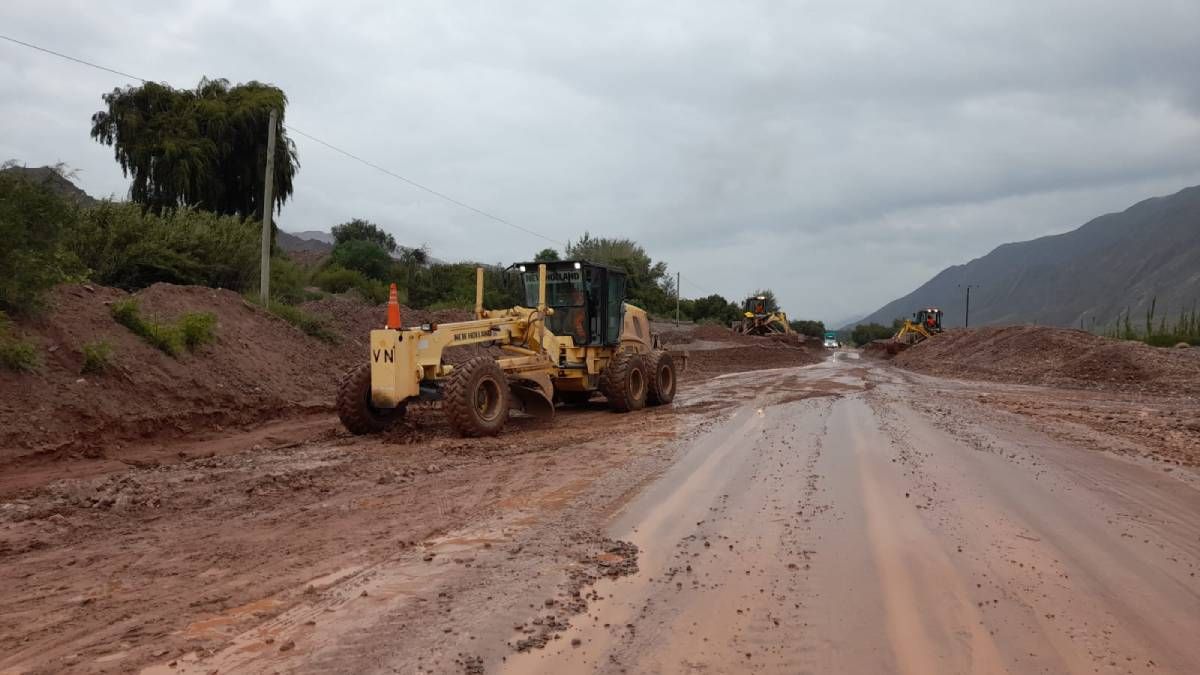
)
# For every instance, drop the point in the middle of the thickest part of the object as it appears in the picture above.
(758, 320)
(924, 324)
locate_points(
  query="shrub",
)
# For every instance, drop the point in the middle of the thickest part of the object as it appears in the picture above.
(97, 357)
(288, 281)
(125, 247)
(164, 337)
(32, 216)
(864, 333)
(196, 329)
(311, 325)
(363, 256)
(15, 353)
(336, 279)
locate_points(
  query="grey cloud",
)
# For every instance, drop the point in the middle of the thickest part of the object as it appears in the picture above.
(841, 153)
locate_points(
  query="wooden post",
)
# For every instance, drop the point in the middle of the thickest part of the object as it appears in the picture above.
(264, 280)
(478, 292)
(678, 276)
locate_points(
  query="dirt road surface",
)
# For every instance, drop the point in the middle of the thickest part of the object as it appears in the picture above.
(844, 517)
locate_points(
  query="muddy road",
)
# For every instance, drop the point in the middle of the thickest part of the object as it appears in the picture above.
(845, 517)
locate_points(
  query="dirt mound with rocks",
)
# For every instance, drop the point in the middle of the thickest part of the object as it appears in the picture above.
(258, 367)
(1056, 357)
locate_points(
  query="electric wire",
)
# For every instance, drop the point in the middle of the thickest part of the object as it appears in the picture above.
(346, 153)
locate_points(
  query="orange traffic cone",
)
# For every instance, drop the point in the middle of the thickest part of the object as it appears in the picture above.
(393, 320)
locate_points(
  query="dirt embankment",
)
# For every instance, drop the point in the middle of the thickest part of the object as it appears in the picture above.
(1056, 357)
(714, 350)
(259, 368)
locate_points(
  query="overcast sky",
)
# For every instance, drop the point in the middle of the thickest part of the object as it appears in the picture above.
(838, 152)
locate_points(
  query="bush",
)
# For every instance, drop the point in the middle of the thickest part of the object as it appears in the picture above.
(191, 331)
(363, 256)
(808, 327)
(97, 357)
(311, 325)
(335, 279)
(165, 338)
(197, 329)
(866, 332)
(125, 247)
(453, 285)
(32, 217)
(15, 353)
(289, 281)
(18, 355)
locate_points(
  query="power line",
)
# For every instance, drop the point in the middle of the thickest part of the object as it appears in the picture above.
(440, 195)
(346, 153)
(417, 185)
(72, 58)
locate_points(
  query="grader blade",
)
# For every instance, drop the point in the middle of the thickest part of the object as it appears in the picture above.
(532, 399)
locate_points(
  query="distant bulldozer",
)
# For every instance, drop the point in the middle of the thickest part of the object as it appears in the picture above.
(758, 319)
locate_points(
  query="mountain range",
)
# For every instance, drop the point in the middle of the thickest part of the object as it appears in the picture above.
(1113, 264)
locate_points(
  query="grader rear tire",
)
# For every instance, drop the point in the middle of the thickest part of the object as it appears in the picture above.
(476, 398)
(354, 406)
(661, 371)
(623, 382)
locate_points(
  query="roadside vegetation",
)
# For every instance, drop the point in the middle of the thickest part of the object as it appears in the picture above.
(97, 357)
(869, 332)
(1159, 330)
(189, 332)
(310, 324)
(16, 354)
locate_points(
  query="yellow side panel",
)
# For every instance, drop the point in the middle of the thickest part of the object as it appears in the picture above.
(395, 375)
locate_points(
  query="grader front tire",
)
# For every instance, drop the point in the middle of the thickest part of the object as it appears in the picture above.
(662, 378)
(476, 398)
(624, 382)
(354, 406)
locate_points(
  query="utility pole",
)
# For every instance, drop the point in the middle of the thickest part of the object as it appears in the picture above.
(677, 278)
(264, 279)
(967, 314)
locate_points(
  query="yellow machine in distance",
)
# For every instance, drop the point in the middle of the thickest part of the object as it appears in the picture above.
(758, 320)
(576, 337)
(924, 324)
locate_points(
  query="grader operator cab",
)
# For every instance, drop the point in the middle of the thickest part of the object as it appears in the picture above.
(575, 337)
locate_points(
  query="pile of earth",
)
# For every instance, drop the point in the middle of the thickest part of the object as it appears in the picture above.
(704, 363)
(1056, 357)
(258, 367)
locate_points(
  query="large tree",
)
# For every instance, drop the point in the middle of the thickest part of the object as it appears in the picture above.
(364, 230)
(204, 147)
(648, 284)
(546, 255)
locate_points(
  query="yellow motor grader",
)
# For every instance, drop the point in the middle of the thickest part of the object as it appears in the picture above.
(757, 320)
(576, 336)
